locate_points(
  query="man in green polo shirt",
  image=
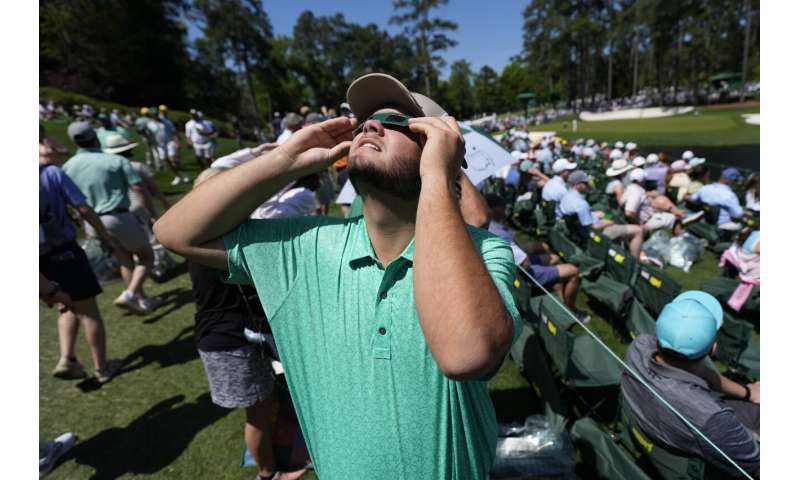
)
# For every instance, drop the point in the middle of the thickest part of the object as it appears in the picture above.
(388, 325)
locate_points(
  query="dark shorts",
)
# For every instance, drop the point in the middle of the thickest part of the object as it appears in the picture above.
(238, 378)
(69, 266)
(547, 275)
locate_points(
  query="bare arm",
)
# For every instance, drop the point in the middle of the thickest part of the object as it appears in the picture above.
(194, 226)
(462, 316)
(472, 204)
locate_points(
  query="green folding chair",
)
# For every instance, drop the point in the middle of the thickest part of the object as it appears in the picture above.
(601, 455)
(639, 321)
(545, 217)
(612, 288)
(559, 241)
(723, 287)
(529, 357)
(660, 462)
(654, 288)
(736, 348)
(581, 362)
(672, 194)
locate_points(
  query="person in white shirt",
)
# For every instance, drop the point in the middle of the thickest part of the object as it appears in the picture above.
(615, 187)
(556, 186)
(679, 178)
(537, 260)
(293, 122)
(295, 200)
(649, 209)
(201, 136)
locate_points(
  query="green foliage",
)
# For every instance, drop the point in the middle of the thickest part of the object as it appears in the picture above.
(460, 99)
(429, 34)
(131, 52)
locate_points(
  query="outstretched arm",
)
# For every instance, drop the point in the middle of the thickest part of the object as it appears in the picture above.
(465, 323)
(473, 206)
(194, 227)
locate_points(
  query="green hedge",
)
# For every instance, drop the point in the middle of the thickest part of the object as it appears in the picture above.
(67, 99)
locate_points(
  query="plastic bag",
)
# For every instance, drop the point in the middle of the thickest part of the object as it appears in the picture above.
(684, 250)
(540, 447)
(657, 247)
(104, 265)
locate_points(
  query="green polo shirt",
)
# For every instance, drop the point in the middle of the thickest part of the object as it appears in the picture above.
(104, 178)
(371, 401)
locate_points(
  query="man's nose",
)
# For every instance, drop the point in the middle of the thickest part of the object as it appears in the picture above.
(373, 126)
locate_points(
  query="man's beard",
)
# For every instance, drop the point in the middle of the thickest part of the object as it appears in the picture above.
(400, 180)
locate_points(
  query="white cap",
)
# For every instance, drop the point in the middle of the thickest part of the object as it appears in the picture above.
(619, 145)
(590, 142)
(630, 146)
(652, 158)
(615, 154)
(563, 164)
(687, 155)
(588, 152)
(639, 161)
(516, 154)
(637, 175)
(695, 161)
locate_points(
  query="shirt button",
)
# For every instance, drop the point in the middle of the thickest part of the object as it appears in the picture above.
(384, 295)
(382, 331)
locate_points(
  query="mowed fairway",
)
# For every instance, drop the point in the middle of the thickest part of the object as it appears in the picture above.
(712, 127)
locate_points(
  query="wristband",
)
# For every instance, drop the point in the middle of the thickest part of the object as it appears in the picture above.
(746, 397)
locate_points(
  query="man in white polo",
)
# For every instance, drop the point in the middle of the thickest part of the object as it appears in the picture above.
(556, 186)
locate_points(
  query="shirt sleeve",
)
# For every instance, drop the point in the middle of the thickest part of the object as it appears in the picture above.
(269, 253)
(728, 433)
(585, 215)
(236, 158)
(69, 191)
(499, 263)
(130, 174)
(633, 200)
(734, 208)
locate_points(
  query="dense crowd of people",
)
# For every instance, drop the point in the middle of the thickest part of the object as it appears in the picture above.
(418, 311)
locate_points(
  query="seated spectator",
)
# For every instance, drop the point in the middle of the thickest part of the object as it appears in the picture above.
(721, 195)
(699, 174)
(656, 171)
(648, 209)
(556, 186)
(573, 203)
(537, 260)
(679, 178)
(674, 363)
(752, 196)
(615, 186)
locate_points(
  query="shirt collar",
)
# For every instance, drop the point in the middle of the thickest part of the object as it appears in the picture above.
(668, 371)
(362, 247)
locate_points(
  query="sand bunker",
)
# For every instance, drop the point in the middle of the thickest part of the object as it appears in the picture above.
(634, 113)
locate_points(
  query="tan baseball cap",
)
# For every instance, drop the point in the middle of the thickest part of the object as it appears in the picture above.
(374, 91)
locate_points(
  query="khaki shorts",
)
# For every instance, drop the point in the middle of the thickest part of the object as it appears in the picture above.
(660, 220)
(616, 231)
(125, 228)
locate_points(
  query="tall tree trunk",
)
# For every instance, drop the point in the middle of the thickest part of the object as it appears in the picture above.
(635, 61)
(748, 14)
(610, 69)
(251, 89)
(676, 65)
(426, 63)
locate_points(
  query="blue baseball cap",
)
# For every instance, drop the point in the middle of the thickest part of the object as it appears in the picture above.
(688, 325)
(731, 174)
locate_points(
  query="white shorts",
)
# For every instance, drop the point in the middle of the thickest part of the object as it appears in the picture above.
(660, 220)
(170, 150)
(205, 151)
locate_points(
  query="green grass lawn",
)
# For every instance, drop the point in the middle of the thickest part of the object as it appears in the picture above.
(156, 419)
(713, 126)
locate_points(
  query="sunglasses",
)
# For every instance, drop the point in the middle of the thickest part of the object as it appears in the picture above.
(393, 120)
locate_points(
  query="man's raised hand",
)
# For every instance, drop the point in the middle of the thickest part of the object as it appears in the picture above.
(317, 146)
(444, 148)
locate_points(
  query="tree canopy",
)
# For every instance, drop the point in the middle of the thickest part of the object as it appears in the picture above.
(574, 51)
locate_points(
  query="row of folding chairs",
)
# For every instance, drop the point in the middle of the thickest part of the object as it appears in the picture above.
(576, 378)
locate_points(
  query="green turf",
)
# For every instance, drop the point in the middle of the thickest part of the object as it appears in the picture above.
(156, 418)
(713, 126)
